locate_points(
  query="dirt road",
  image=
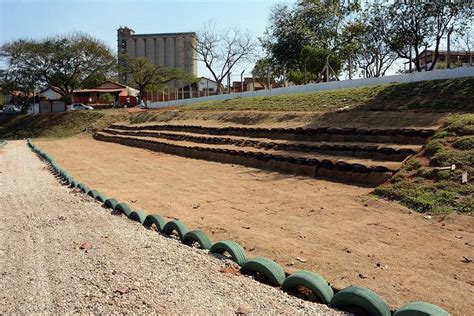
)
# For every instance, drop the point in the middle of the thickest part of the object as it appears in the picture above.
(121, 268)
(330, 228)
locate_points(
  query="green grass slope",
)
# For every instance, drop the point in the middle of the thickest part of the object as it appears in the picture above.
(435, 96)
(422, 187)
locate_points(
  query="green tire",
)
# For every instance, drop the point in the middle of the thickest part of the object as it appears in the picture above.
(111, 203)
(267, 268)
(93, 193)
(355, 298)
(137, 216)
(101, 198)
(420, 309)
(312, 281)
(232, 248)
(73, 183)
(155, 219)
(85, 189)
(197, 236)
(177, 226)
(80, 185)
(123, 208)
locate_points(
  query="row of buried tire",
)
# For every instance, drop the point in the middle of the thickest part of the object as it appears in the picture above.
(240, 131)
(351, 299)
(322, 163)
(360, 150)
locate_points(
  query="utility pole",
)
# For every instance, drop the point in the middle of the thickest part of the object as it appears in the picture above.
(228, 83)
(411, 47)
(242, 81)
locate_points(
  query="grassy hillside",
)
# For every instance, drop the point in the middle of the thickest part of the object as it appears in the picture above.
(422, 187)
(64, 124)
(438, 95)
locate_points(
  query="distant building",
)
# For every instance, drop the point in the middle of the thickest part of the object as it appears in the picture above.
(171, 50)
(251, 84)
(51, 93)
(119, 91)
(457, 58)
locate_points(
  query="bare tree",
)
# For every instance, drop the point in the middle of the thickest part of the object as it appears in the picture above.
(221, 52)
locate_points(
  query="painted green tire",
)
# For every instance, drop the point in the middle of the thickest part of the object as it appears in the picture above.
(197, 236)
(73, 183)
(267, 268)
(361, 298)
(123, 208)
(85, 189)
(111, 203)
(312, 281)
(137, 216)
(93, 193)
(155, 219)
(101, 198)
(420, 309)
(177, 226)
(232, 248)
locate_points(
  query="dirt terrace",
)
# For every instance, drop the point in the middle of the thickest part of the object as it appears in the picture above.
(336, 230)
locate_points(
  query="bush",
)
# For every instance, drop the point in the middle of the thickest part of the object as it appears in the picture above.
(464, 143)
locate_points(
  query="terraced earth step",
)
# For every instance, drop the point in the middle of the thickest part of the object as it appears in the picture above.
(350, 170)
(376, 151)
(348, 134)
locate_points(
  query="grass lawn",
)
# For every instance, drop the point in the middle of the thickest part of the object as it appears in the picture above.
(437, 95)
(423, 188)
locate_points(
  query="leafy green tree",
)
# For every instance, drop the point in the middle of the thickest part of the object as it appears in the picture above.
(412, 26)
(310, 23)
(62, 61)
(147, 77)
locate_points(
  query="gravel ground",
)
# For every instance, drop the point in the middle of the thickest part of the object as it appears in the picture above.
(123, 267)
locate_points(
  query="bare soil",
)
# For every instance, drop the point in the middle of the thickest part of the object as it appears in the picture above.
(62, 253)
(337, 230)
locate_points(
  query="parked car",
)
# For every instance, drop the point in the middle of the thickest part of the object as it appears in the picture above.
(80, 106)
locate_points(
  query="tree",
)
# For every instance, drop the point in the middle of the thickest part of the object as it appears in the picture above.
(221, 52)
(107, 98)
(263, 73)
(363, 45)
(310, 23)
(412, 26)
(148, 77)
(63, 61)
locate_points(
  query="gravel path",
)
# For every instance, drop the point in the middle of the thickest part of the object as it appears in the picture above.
(124, 268)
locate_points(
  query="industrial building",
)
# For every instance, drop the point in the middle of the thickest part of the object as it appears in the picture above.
(171, 50)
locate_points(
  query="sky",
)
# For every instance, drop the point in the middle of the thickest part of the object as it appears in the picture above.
(101, 18)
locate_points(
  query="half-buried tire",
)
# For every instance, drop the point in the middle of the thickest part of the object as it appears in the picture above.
(266, 268)
(101, 198)
(111, 203)
(232, 248)
(123, 208)
(177, 226)
(137, 216)
(197, 236)
(85, 189)
(93, 193)
(312, 281)
(155, 219)
(420, 309)
(359, 300)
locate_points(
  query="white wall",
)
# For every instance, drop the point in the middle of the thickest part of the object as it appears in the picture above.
(413, 77)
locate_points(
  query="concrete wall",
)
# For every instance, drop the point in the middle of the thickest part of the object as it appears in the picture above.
(364, 82)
